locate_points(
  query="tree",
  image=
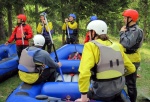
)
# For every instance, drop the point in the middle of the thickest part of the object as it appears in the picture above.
(8, 5)
(144, 19)
(2, 33)
(18, 5)
(58, 10)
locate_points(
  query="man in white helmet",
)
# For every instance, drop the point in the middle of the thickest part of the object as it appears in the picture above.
(33, 62)
(107, 62)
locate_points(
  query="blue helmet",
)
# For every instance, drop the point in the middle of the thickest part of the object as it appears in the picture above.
(92, 18)
(43, 14)
(73, 15)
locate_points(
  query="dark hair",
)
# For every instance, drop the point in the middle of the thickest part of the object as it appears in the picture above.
(103, 37)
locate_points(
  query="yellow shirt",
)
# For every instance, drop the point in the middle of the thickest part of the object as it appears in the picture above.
(90, 57)
(70, 25)
(40, 27)
(135, 57)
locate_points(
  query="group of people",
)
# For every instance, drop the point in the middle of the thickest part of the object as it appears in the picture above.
(109, 65)
(35, 64)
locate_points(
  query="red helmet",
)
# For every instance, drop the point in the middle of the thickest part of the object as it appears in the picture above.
(22, 16)
(133, 14)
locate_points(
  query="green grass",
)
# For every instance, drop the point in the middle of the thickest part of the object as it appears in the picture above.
(144, 81)
(8, 86)
(143, 86)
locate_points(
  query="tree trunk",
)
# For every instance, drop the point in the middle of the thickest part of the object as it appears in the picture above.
(63, 17)
(9, 17)
(19, 7)
(36, 10)
(77, 10)
(2, 33)
(145, 19)
(78, 31)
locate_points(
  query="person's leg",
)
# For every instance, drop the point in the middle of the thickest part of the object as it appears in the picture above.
(20, 48)
(48, 74)
(131, 84)
(120, 97)
(76, 39)
(67, 40)
(52, 76)
(49, 47)
(93, 96)
(72, 39)
(44, 46)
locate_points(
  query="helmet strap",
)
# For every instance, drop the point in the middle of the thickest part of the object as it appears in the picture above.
(94, 36)
(128, 22)
(90, 35)
(21, 22)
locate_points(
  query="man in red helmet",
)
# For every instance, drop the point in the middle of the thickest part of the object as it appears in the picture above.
(131, 37)
(21, 34)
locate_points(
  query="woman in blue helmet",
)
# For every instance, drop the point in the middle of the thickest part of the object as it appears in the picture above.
(88, 36)
(43, 28)
(70, 26)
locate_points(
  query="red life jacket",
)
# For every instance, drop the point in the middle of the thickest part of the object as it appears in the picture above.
(17, 35)
(87, 38)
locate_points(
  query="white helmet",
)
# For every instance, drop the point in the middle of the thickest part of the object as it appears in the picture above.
(99, 26)
(39, 40)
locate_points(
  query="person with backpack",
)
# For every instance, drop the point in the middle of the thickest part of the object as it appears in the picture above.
(71, 28)
(106, 64)
(131, 37)
(35, 65)
(88, 36)
(21, 34)
(43, 28)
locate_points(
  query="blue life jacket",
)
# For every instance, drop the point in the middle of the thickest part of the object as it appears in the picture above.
(26, 63)
(45, 32)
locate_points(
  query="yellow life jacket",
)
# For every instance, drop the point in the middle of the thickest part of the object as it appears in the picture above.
(27, 68)
(111, 63)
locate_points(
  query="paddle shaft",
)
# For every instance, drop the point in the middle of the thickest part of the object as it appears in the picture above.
(22, 34)
(68, 32)
(53, 46)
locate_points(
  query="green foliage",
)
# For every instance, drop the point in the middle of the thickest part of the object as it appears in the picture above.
(8, 86)
(110, 11)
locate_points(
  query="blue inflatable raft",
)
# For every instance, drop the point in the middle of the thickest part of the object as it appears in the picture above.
(8, 61)
(57, 91)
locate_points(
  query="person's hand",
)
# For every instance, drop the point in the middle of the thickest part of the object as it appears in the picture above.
(43, 21)
(66, 20)
(82, 99)
(123, 28)
(6, 43)
(59, 64)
